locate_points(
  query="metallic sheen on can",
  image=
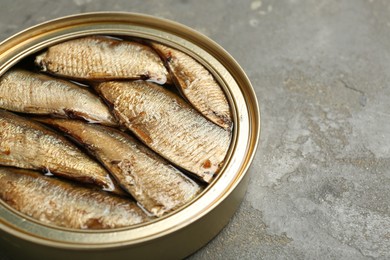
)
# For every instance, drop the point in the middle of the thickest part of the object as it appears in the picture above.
(182, 232)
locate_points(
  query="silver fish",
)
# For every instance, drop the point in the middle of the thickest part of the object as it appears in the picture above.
(197, 85)
(64, 204)
(103, 58)
(28, 92)
(29, 145)
(152, 181)
(168, 125)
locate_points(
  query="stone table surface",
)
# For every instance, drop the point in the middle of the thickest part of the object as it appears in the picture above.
(320, 181)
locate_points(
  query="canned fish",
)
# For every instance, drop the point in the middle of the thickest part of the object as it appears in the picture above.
(219, 179)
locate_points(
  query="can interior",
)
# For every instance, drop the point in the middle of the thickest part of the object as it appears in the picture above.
(225, 70)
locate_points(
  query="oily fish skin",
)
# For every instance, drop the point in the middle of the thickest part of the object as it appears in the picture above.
(65, 204)
(28, 92)
(29, 145)
(153, 182)
(197, 85)
(102, 58)
(168, 125)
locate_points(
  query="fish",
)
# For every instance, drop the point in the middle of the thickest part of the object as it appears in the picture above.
(30, 145)
(154, 183)
(197, 85)
(168, 125)
(65, 204)
(102, 58)
(28, 92)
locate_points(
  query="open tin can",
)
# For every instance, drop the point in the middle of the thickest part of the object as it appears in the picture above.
(183, 231)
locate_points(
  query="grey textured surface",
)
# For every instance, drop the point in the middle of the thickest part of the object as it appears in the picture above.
(320, 181)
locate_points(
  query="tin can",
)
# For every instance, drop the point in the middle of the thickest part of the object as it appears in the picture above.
(176, 235)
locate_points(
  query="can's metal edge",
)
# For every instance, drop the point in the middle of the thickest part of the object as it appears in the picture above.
(205, 226)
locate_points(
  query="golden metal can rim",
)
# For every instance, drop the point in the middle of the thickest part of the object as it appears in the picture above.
(224, 189)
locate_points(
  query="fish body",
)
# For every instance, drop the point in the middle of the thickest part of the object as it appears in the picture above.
(30, 145)
(28, 92)
(152, 181)
(197, 85)
(102, 58)
(168, 125)
(64, 204)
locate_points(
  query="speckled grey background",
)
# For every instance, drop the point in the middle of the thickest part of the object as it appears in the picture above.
(320, 181)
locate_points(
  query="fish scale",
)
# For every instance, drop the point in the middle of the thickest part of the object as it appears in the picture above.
(102, 58)
(197, 85)
(27, 144)
(151, 180)
(60, 203)
(28, 92)
(181, 135)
